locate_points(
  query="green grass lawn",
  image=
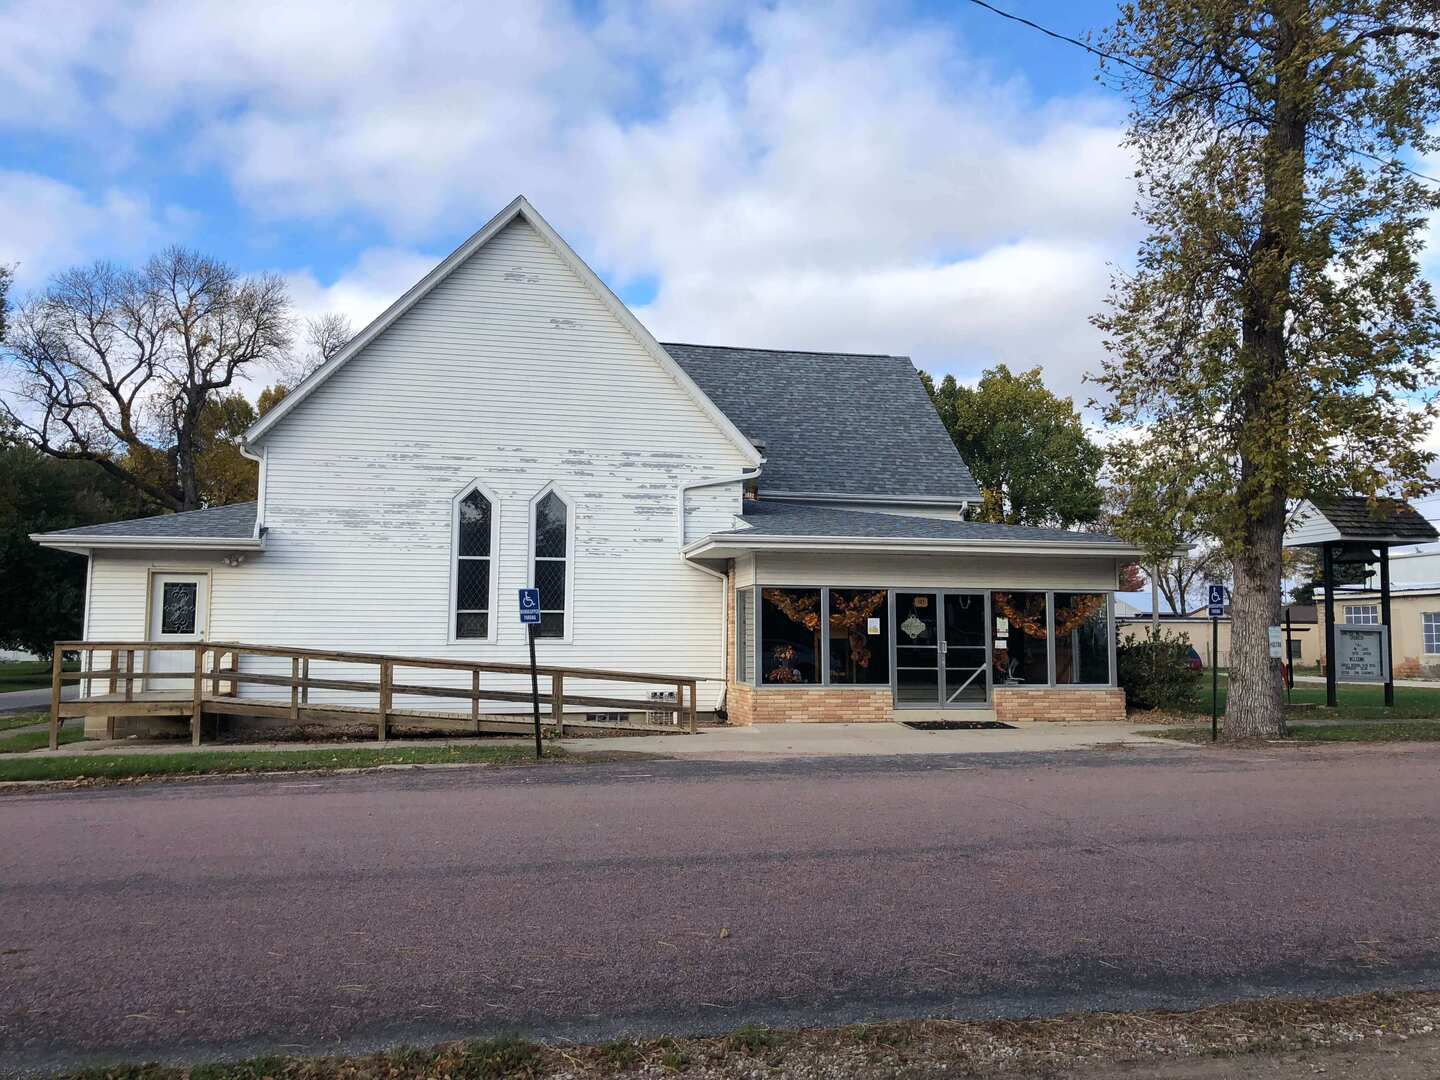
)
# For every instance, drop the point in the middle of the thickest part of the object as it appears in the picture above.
(22, 720)
(28, 674)
(1355, 702)
(1360, 731)
(38, 740)
(101, 766)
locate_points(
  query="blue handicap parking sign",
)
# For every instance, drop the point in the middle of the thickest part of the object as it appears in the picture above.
(1217, 601)
(529, 607)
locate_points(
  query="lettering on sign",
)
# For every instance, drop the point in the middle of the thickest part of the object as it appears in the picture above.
(1360, 654)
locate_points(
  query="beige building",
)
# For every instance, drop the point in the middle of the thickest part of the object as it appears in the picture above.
(1306, 639)
(1414, 624)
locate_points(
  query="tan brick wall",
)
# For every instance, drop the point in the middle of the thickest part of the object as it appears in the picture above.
(1059, 704)
(738, 703)
(811, 705)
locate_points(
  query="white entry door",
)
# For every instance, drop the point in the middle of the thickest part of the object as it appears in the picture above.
(177, 613)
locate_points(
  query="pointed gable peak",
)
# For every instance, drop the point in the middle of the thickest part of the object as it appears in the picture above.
(519, 208)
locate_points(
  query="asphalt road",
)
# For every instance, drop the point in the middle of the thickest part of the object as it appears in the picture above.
(584, 900)
(18, 701)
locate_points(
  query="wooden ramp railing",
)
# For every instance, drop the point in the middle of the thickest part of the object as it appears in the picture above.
(211, 675)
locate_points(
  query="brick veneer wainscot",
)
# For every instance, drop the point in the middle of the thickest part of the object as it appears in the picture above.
(810, 705)
(1071, 703)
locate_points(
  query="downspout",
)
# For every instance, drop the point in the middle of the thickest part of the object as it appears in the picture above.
(85, 616)
(740, 478)
(259, 458)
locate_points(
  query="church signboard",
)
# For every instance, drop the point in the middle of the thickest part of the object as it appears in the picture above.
(1360, 653)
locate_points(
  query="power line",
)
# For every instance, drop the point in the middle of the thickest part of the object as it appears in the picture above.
(1152, 74)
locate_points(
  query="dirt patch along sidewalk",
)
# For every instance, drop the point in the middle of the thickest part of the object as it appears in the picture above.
(1365, 1037)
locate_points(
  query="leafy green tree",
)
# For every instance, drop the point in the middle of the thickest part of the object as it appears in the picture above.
(223, 475)
(270, 397)
(1277, 338)
(1026, 448)
(42, 592)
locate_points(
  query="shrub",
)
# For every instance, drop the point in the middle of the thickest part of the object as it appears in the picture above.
(1154, 671)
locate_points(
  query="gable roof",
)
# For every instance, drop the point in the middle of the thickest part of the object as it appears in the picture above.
(1352, 517)
(519, 208)
(781, 524)
(221, 526)
(836, 424)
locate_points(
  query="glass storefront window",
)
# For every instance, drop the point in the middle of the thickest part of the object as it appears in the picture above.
(790, 636)
(859, 637)
(1021, 641)
(1082, 639)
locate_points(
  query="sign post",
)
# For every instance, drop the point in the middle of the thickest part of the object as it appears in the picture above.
(1216, 604)
(1289, 654)
(530, 619)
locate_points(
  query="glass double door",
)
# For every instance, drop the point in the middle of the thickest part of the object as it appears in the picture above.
(942, 650)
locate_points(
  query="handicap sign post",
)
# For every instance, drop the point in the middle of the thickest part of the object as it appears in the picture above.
(530, 619)
(1215, 601)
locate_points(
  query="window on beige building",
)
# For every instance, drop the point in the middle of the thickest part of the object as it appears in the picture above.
(1362, 614)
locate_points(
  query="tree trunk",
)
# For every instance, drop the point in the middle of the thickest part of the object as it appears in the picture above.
(1255, 705)
(187, 435)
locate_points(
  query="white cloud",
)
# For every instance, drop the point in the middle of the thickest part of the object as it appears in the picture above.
(1022, 305)
(46, 225)
(376, 281)
(811, 176)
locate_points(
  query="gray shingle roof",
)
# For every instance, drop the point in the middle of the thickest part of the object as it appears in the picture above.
(233, 522)
(778, 519)
(1390, 519)
(840, 423)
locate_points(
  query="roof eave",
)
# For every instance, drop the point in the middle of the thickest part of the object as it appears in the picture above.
(80, 543)
(721, 545)
(956, 501)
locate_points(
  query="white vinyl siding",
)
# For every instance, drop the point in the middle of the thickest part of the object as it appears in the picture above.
(511, 372)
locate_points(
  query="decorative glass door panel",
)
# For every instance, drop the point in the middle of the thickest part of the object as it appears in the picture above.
(917, 648)
(967, 650)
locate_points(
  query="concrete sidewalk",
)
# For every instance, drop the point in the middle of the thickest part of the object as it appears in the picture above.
(760, 742)
(772, 741)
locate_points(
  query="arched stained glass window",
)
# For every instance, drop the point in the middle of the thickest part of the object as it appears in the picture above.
(474, 540)
(550, 573)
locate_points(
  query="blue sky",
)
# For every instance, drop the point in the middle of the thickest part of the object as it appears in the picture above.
(925, 179)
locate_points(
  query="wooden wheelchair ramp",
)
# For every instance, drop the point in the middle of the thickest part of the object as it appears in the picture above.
(114, 682)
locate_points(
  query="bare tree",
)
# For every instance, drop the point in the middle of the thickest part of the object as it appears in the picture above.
(7, 275)
(116, 366)
(1180, 578)
(325, 335)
